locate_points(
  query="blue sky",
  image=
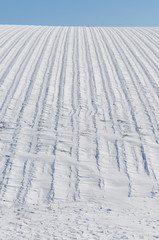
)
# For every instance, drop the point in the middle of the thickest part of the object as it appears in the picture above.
(80, 12)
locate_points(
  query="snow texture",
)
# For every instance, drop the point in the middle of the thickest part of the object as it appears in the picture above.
(79, 133)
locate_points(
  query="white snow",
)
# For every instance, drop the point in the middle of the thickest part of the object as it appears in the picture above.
(79, 133)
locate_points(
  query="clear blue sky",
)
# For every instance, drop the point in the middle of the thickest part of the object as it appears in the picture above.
(80, 12)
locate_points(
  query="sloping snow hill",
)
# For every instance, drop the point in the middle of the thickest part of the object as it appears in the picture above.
(79, 133)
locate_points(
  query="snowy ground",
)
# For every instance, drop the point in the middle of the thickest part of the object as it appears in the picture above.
(134, 219)
(79, 133)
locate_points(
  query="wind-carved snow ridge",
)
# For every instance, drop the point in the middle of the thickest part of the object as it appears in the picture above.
(79, 130)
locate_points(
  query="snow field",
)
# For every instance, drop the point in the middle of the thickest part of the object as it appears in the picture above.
(79, 132)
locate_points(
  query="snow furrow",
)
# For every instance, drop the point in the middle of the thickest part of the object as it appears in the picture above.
(78, 113)
(131, 72)
(17, 129)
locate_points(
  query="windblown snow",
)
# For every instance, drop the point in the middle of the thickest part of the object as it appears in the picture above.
(79, 133)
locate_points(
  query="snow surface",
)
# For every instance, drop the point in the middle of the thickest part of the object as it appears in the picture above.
(79, 133)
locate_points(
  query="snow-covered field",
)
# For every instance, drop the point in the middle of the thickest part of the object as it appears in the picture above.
(79, 133)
